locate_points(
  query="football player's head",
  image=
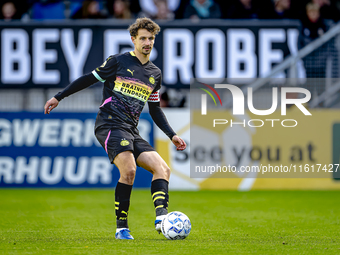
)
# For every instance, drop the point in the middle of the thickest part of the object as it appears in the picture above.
(144, 23)
(143, 33)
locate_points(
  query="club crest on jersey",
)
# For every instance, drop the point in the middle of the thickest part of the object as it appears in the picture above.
(152, 80)
(130, 71)
(124, 142)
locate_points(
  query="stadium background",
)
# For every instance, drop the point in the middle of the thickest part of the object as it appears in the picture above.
(40, 56)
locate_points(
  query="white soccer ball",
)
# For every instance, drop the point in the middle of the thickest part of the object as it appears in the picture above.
(176, 225)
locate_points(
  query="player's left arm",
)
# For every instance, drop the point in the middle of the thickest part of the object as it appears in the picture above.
(159, 118)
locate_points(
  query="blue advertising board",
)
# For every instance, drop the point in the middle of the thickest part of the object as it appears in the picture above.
(59, 150)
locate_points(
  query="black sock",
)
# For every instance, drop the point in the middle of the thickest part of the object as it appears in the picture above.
(160, 196)
(122, 203)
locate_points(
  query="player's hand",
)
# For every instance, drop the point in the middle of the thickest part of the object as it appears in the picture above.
(50, 105)
(179, 143)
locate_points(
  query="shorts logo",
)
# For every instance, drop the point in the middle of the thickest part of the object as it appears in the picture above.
(124, 142)
(130, 71)
(152, 80)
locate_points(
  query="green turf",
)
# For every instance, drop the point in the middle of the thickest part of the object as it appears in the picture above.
(83, 222)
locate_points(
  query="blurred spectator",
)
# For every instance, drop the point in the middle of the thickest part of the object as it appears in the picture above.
(121, 9)
(9, 11)
(48, 9)
(328, 10)
(313, 26)
(164, 100)
(89, 10)
(163, 11)
(150, 9)
(12, 10)
(243, 9)
(117, 9)
(282, 9)
(202, 9)
(134, 7)
(172, 98)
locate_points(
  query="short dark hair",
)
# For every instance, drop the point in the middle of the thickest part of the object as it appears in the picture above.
(145, 23)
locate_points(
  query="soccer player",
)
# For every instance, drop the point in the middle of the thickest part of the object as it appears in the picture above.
(130, 80)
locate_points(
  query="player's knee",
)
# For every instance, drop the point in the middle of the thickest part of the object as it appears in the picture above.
(129, 176)
(166, 171)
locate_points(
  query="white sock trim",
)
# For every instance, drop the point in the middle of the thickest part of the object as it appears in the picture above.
(119, 229)
(160, 217)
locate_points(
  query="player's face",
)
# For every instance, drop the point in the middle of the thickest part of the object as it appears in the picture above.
(144, 41)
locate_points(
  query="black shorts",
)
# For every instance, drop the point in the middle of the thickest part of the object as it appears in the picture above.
(118, 139)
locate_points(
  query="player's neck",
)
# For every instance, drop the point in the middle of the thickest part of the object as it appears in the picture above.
(142, 58)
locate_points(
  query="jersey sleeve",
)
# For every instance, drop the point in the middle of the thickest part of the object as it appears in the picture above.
(107, 71)
(77, 85)
(159, 118)
(154, 96)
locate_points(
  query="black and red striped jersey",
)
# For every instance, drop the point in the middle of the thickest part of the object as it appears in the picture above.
(128, 85)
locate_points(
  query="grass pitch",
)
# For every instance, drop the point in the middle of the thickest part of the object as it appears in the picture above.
(257, 222)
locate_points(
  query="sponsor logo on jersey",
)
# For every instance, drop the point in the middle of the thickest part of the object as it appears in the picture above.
(130, 71)
(124, 142)
(152, 80)
(132, 88)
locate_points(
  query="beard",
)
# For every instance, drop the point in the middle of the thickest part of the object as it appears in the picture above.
(146, 52)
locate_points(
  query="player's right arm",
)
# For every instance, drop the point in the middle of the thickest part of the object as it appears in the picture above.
(102, 73)
(77, 85)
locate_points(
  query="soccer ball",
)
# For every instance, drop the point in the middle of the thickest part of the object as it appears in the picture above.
(176, 225)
